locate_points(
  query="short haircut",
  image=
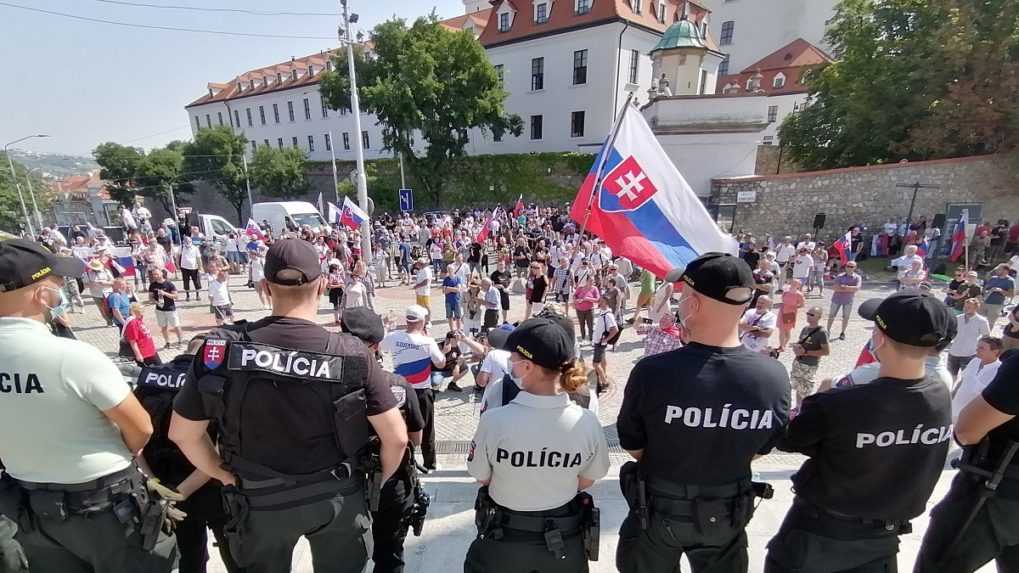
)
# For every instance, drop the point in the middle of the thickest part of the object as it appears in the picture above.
(994, 342)
(908, 350)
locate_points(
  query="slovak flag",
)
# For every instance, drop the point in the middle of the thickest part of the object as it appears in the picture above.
(352, 216)
(253, 230)
(844, 246)
(645, 210)
(480, 239)
(923, 247)
(519, 207)
(959, 237)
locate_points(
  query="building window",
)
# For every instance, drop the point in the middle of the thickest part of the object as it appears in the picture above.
(208, 120)
(311, 69)
(365, 140)
(254, 146)
(769, 139)
(537, 74)
(497, 136)
(541, 13)
(634, 65)
(293, 140)
(276, 112)
(500, 71)
(661, 11)
(754, 83)
(704, 83)
(329, 142)
(580, 67)
(577, 124)
(307, 109)
(293, 76)
(237, 118)
(727, 28)
(290, 110)
(266, 142)
(279, 142)
(723, 68)
(311, 144)
(261, 114)
(279, 78)
(346, 141)
(635, 6)
(583, 7)
(536, 126)
(772, 113)
(329, 65)
(779, 81)
(325, 108)
(220, 116)
(198, 123)
(504, 22)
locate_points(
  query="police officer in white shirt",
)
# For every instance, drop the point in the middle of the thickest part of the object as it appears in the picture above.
(71, 432)
(533, 456)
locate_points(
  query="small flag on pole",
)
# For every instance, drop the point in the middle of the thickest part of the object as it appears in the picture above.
(844, 246)
(959, 237)
(253, 230)
(352, 216)
(519, 207)
(487, 226)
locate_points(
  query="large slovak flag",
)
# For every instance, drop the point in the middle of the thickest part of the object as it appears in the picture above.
(352, 216)
(645, 210)
(844, 246)
(959, 237)
(253, 230)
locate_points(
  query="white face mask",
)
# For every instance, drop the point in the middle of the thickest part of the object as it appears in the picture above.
(519, 380)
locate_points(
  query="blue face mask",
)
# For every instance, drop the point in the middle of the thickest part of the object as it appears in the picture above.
(61, 307)
(518, 380)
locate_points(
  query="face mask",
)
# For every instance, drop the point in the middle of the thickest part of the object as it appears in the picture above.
(62, 306)
(519, 380)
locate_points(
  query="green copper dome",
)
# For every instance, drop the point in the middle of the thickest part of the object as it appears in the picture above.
(682, 34)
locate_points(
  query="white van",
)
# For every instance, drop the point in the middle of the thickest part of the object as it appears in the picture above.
(287, 215)
(216, 228)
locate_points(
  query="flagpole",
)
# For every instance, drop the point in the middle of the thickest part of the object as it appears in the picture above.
(332, 152)
(598, 180)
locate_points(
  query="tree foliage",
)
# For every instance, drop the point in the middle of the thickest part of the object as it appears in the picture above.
(425, 81)
(118, 167)
(217, 157)
(279, 172)
(12, 218)
(130, 172)
(917, 79)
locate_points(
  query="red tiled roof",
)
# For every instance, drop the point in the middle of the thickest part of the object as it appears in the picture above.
(797, 54)
(479, 19)
(561, 18)
(792, 60)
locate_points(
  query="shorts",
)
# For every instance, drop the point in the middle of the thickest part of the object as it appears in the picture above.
(223, 312)
(167, 318)
(504, 298)
(491, 318)
(846, 308)
(802, 378)
(335, 296)
(425, 301)
(599, 353)
(788, 320)
(454, 310)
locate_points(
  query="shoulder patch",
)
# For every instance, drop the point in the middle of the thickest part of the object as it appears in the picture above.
(213, 353)
(400, 394)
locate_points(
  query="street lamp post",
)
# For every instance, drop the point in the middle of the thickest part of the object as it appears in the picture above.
(14, 178)
(355, 110)
(31, 193)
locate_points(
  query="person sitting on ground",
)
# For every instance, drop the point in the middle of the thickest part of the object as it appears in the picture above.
(456, 364)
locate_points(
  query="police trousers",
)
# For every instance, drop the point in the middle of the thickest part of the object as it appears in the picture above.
(59, 535)
(390, 525)
(427, 400)
(811, 541)
(514, 551)
(993, 535)
(338, 530)
(709, 530)
(204, 511)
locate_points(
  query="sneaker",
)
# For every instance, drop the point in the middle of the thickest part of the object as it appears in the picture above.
(842, 336)
(453, 387)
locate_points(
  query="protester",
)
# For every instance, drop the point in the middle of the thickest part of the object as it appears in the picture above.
(585, 297)
(164, 294)
(792, 301)
(219, 297)
(843, 292)
(809, 349)
(757, 326)
(663, 337)
(971, 327)
(977, 374)
(606, 331)
(452, 288)
(137, 336)
(998, 289)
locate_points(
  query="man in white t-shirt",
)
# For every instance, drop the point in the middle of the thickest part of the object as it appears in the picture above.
(971, 327)
(423, 286)
(414, 355)
(757, 325)
(802, 264)
(494, 368)
(785, 251)
(978, 374)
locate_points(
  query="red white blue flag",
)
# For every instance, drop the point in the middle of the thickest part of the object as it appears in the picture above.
(352, 216)
(959, 237)
(253, 230)
(645, 210)
(844, 246)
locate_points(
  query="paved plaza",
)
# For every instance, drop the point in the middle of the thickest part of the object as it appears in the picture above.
(450, 526)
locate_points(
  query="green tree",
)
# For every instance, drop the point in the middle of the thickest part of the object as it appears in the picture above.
(12, 218)
(119, 165)
(216, 156)
(160, 171)
(425, 81)
(279, 172)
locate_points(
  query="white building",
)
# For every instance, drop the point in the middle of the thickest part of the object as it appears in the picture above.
(745, 29)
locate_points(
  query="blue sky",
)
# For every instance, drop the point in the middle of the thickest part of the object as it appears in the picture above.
(85, 83)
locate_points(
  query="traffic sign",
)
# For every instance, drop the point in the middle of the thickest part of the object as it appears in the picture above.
(406, 200)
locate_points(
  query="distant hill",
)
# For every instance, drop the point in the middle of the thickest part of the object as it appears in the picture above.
(54, 165)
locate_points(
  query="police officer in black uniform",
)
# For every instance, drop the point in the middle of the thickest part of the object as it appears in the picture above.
(401, 499)
(694, 418)
(156, 388)
(875, 451)
(293, 403)
(978, 521)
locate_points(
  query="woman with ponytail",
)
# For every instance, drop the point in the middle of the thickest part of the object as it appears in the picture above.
(532, 457)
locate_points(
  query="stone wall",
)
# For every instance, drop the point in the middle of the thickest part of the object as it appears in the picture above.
(868, 196)
(767, 161)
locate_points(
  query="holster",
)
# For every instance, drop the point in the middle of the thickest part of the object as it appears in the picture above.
(486, 514)
(236, 507)
(153, 516)
(634, 489)
(353, 431)
(373, 488)
(591, 526)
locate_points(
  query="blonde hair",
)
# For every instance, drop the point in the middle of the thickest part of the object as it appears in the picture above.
(573, 376)
(136, 308)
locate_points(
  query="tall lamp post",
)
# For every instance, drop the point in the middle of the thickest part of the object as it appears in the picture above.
(31, 193)
(14, 178)
(355, 109)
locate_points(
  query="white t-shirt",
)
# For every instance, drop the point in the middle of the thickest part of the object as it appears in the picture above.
(414, 354)
(969, 332)
(604, 321)
(356, 295)
(424, 275)
(785, 252)
(257, 269)
(492, 398)
(766, 321)
(974, 379)
(496, 365)
(802, 265)
(190, 257)
(219, 293)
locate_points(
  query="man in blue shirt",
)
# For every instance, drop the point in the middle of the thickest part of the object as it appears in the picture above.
(999, 287)
(119, 302)
(452, 287)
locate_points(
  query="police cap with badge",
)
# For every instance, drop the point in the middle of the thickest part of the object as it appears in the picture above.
(718, 276)
(912, 319)
(24, 263)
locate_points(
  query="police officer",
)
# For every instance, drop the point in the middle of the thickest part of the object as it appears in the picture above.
(978, 521)
(694, 419)
(392, 517)
(156, 388)
(70, 428)
(532, 456)
(875, 452)
(290, 400)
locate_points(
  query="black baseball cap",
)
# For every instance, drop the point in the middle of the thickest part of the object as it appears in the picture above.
(912, 319)
(24, 262)
(363, 323)
(497, 336)
(542, 341)
(292, 262)
(719, 276)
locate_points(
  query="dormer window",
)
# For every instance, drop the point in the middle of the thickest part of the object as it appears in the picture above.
(293, 74)
(635, 6)
(329, 65)
(504, 22)
(279, 78)
(311, 69)
(661, 12)
(754, 83)
(541, 13)
(582, 7)
(779, 81)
